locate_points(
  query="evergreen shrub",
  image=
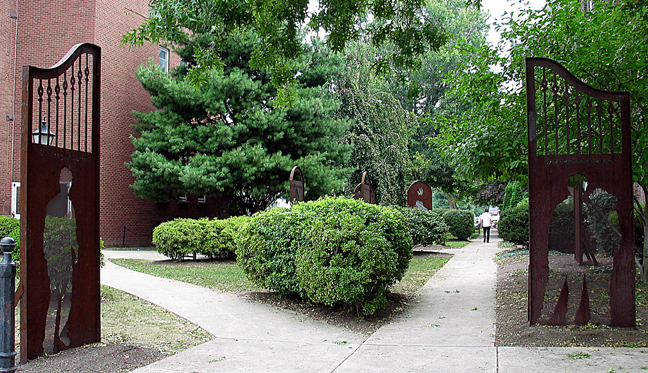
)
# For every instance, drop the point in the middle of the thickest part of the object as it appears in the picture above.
(427, 227)
(514, 225)
(331, 251)
(461, 223)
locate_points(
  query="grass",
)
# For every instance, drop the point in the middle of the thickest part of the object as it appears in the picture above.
(219, 275)
(457, 244)
(129, 319)
(228, 277)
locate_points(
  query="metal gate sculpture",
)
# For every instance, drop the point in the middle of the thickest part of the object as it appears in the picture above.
(60, 306)
(419, 193)
(296, 186)
(581, 133)
(364, 190)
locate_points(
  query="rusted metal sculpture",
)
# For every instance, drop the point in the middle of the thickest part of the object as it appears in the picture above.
(419, 193)
(296, 186)
(577, 130)
(60, 176)
(364, 190)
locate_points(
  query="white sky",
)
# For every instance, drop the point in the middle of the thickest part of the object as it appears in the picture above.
(496, 9)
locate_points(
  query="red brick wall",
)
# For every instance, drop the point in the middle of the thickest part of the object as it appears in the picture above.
(7, 33)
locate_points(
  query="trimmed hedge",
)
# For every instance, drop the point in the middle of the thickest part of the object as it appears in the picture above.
(427, 227)
(331, 251)
(461, 223)
(514, 225)
(182, 237)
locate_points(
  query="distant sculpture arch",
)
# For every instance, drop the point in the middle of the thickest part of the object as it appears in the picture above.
(419, 194)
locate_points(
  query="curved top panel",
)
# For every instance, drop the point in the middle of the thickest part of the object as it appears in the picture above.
(574, 81)
(64, 63)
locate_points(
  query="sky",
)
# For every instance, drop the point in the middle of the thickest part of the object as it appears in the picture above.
(497, 7)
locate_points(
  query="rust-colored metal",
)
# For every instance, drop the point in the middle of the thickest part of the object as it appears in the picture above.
(296, 186)
(583, 314)
(559, 316)
(419, 193)
(364, 190)
(67, 97)
(577, 130)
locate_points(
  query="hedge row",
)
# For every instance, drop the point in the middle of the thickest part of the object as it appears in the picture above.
(331, 251)
(10, 227)
(427, 227)
(182, 237)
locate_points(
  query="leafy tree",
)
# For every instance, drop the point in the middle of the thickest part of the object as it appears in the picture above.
(405, 24)
(605, 47)
(226, 138)
(379, 135)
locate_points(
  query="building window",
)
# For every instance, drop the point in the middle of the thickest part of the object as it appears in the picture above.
(164, 59)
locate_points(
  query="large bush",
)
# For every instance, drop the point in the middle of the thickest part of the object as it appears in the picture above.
(332, 251)
(461, 223)
(514, 225)
(427, 227)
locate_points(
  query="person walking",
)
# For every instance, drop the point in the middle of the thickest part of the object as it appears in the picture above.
(485, 221)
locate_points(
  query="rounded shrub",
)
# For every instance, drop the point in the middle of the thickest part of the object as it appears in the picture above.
(181, 237)
(461, 223)
(427, 227)
(514, 225)
(331, 251)
(354, 252)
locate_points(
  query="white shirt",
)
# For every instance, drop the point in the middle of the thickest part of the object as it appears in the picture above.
(485, 219)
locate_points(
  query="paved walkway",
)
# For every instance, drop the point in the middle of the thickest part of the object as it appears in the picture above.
(450, 327)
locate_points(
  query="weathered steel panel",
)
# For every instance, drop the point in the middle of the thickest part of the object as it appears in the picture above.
(61, 300)
(577, 130)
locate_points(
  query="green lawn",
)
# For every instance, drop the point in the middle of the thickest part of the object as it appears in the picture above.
(227, 276)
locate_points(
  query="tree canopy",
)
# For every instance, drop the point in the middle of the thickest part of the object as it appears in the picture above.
(405, 24)
(226, 138)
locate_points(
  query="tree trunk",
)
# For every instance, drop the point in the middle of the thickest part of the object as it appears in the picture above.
(451, 201)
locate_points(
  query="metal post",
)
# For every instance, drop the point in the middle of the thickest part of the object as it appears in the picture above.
(8, 316)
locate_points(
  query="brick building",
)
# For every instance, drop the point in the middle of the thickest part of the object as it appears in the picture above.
(39, 33)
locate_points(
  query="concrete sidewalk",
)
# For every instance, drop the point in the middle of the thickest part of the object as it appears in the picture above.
(450, 327)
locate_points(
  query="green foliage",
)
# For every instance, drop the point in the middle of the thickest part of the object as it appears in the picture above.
(332, 251)
(405, 25)
(513, 195)
(10, 227)
(266, 250)
(461, 223)
(379, 134)
(226, 138)
(514, 225)
(182, 237)
(561, 228)
(427, 227)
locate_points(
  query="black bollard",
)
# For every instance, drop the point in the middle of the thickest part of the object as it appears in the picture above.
(7, 297)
